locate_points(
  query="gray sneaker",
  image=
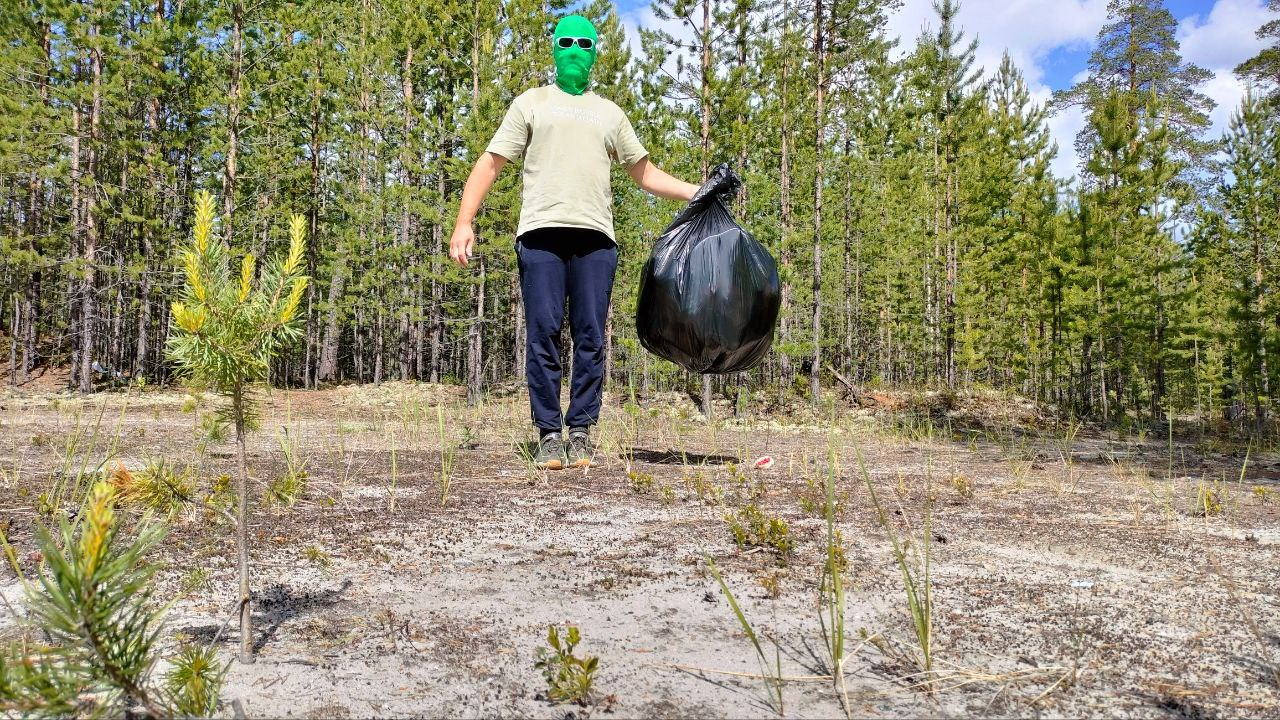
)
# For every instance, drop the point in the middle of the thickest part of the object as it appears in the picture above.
(551, 453)
(580, 450)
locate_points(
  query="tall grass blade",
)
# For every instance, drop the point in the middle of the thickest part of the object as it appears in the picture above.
(916, 582)
(773, 675)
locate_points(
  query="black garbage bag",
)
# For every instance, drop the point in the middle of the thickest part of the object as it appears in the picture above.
(709, 294)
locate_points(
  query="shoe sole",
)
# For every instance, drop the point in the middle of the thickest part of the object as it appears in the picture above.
(551, 465)
(583, 463)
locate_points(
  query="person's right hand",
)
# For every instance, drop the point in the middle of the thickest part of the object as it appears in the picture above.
(462, 243)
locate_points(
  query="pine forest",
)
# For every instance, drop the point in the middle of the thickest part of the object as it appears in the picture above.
(922, 237)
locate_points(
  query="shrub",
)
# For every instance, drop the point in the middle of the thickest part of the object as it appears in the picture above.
(752, 528)
(569, 677)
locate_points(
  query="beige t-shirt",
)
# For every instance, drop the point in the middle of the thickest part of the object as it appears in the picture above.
(567, 142)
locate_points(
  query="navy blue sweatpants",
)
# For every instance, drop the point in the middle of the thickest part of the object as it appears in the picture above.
(557, 264)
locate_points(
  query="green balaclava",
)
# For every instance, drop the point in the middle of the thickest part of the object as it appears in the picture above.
(573, 64)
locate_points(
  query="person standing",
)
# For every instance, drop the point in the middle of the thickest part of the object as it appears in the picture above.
(565, 250)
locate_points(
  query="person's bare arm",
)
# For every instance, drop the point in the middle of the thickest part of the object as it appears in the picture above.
(656, 182)
(478, 184)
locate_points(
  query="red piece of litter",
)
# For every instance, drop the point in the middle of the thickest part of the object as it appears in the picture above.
(764, 463)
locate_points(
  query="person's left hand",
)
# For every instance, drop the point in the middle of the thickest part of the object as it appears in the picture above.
(462, 243)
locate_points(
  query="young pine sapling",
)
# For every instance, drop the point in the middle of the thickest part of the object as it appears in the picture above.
(226, 330)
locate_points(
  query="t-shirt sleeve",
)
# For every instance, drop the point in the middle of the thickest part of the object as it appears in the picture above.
(513, 134)
(627, 147)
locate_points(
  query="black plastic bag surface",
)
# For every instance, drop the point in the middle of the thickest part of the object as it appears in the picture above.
(709, 293)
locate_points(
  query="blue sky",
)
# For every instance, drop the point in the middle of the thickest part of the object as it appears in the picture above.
(1062, 63)
(1050, 40)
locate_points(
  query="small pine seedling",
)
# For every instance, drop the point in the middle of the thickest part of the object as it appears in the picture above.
(158, 487)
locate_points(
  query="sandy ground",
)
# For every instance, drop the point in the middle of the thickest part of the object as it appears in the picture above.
(1068, 578)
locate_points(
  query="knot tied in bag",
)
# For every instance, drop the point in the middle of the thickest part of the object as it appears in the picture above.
(709, 293)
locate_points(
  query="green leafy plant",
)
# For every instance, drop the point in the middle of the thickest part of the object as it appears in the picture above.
(772, 584)
(668, 494)
(813, 499)
(93, 605)
(1210, 499)
(752, 528)
(225, 333)
(220, 497)
(641, 482)
(195, 680)
(569, 677)
(316, 555)
(196, 578)
(289, 486)
(706, 490)
(295, 469)
(214, 429)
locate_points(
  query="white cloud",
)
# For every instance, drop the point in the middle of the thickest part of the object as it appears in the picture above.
(1225, 38)
(1031, 29)
(643, 17)
(1063, 127)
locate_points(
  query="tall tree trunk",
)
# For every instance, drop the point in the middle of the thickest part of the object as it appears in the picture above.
(440, 244)
(953, 252)
(377, 349)
(74, 288)
(313, 212)
(820, 126)
(234, 69)
(784, 199)
(744, 136)
(518, 330)
(14, 323)
(34, 208)
(475, 348)
(148, 223)
(851, 366)
(406, 217)
(331, 341)
(357, 334)
(475, 343)
(1263, 396)
(88, 309)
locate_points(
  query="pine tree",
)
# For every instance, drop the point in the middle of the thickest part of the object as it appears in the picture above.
(947, 100)
(1263, 69)
(226, 334)
(1137, 56)
(1251, 210)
